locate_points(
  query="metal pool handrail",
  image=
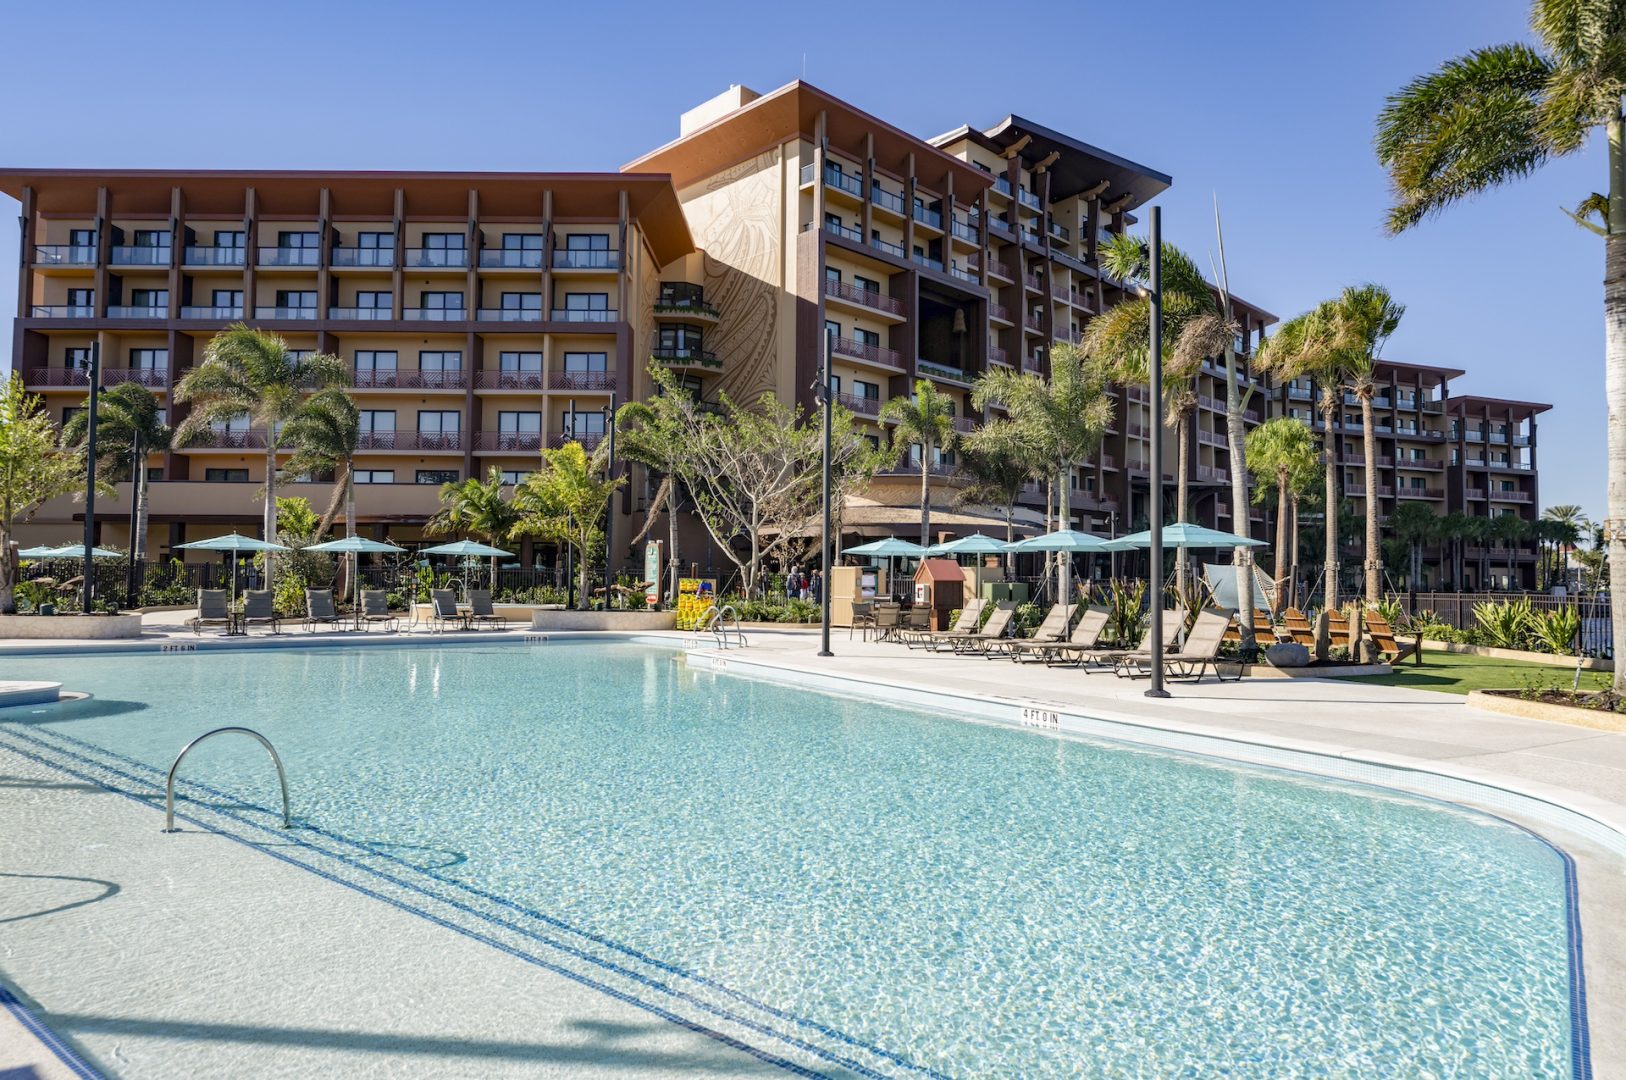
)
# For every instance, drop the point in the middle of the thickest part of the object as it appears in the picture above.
(169, 784)
(719, 627)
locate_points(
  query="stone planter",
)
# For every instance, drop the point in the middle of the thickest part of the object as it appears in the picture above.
(1588, 663)
(1509, 703)
(70, 627)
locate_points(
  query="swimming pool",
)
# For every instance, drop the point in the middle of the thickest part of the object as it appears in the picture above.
(845, 886)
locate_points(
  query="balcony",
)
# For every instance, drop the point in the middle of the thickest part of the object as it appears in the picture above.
(194, 255)
(675, 308)
(225, 313)
(509, 314)
(863, 297)
(585, 259)
(997, 355)
(1027, 198)
(585, 315)
(1300, 393)
(1510, 496)
(1060, 232)
(511, 258)
(886, 200)
(437, 314)
(860, 405)
(433, 379)
(293, 313)
(410, 440)
(509, 441)
(359, 314)
(964, 425)
(999, 312)
(1033, 323)
(1032, 236)
(1032, 365)
(908, 466)
(1033, 282)
(835, 228)
(1475, 494)
(687, 357)
(376, 379)
(1420, 493)
(437, 258)
(930, 218)
(940, 371)
(1209, 475)
(965, 230)
(49, 376)
(963, 275)
(995, 268)
(228, 439)
(589, 440)
(143, 255)
(64, 255)
(843, 181)
(602, 381)
(63, 311)
(894, 250)
(508, 380)
(125, 311)
(281, 256)
(375, 257)
(1002, 184)
(873, 354)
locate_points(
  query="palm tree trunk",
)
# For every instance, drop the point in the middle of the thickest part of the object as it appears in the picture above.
(270, 522)
(925, 494)
(138, 542)
(1064, 561)
(1614, 317)
(1281, 539)
(672, 537)
(1293, 563)
(1241, 520)
(1329, 404)
(1182, 489)
(1369, 440)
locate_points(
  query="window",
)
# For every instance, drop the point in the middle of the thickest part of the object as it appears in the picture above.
(522, 301)
(373, 476)
(437, 476)
(832, 273)
(226, 476)
(522, 241)
(71, 411)
(867, 390)
(442, 301)
(587, 242)
(375, 241)
(587, 422)
(149, 298)
(151, 238)
(867, 284)
(515, 477)
(519, 430)
(76, 359)
(81, 238)
(376, 367)
(832, 327)
(867, 337)
(230, 238)
(149, 359)
(296, 355)
(1418, 483)
(586, 361)
(378, 428)
(297, 299)
(444, 241)
(227, 298)
(587, 301)
(373, 300)
(82, 298)
(438, 429)
(676, 338)
(235, 425)
(832, 221)
(440, 361)
(288, 239)
(522, 361)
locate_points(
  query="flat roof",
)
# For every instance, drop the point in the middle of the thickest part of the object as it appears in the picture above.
(1425, 369)
(651, 198)
(1459, 401)
(792, 111)
(1078, 166)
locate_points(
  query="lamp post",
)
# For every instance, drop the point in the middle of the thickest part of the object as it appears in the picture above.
(1155, 465)
(570, 549)
(821, 394)
(138, 467)
(609, 512)
(90, 474)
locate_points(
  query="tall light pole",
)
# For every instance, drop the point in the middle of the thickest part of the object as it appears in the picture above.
(138, 468)
(90, 474)
(823, 397)
(609, 513)
(1155, 465)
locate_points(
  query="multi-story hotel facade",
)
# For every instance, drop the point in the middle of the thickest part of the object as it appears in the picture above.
(485, 316)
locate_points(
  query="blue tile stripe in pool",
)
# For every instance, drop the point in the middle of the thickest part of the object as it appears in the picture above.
(507, 934)
(52, 1041)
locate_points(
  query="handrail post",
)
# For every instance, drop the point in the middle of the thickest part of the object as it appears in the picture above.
(169, 783)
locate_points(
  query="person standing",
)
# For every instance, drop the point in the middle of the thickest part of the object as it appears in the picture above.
(815, 586)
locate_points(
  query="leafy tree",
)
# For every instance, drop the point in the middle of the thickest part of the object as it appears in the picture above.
(1500, 113)
(661, 434)
(1507, 530)
(1560, 529)
(1414, 525)
(565, 501)
(926, 420)
(1000, 459)
(248, 372)
(126, 415)
(1279, 451)
(34, 468)
(476, 507)
(296, 527)
(325, 434)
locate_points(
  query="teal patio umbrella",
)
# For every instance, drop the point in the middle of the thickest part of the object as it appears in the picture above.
(1181, 535)
(470, 549)
(975, 544)
(353, 546)
(889, 548)
(1062, 540)
(236, 545)
(38, 552)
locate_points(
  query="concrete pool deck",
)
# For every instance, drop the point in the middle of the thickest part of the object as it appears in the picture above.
(94, 890)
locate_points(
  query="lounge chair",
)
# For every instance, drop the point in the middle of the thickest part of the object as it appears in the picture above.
(888, 619)
(1052, 629)
(1298, 628)
(319, 610)
(918, 632)
(214, 609)
(375, 608)
(1172, 623)
(985, 640)
(258, 608)
(1086, 635)
(443, 610)
(1198, 655)
(482, 613)
(1383, 640)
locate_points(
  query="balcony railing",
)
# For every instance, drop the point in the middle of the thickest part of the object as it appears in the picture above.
(581, 380)
(966, 230)
(517, 441)
(1510, 496)
(873, 353)
(420, 440)
(589, 315)
(860, 405)
(964, 425)
(686, 308)
(1476, 493)
(359, 314)
(436, 314)
(997, 355)
(1033, 281)
(437, 258)
(50, 376)
(143, 255)
(939, 371)
(125, 311)
(511, 258)
(285, 313)
(995, 268)
(1027, 198)
(1033, 322)
(886, 200)
(843, 181)
(1033, 365)
(65, 255)
(930, 218)
(454, 379)
(1000, 312)
(894, 250)
(963, 275)
(929, 263)
(224, 313)
(911, 467)
(687, 357)
(283, 256)
(487, 314)
(835, 228)
(588, 439)
(508, 380)
(1060, 232)
(360, 256)
(376, 379)
(1420, 493)
(230, 439)
(585, 259)
(1209, 474)
(1002, 185)
(196, 255)
(63, 311)
(867, 297)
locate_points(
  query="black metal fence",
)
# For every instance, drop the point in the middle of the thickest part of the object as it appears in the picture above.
(1457, 609)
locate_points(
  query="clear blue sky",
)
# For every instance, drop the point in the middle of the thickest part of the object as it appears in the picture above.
(1270, 105)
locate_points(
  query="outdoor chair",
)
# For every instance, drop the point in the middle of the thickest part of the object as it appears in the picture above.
(375, 609)
(319, 610)
(1199, 655)
(1052, 629)
(888, 619)
(1172, 622)
(1383, 640)
(1298, 628)
(214, 609)
(443, 610)
(863, 618)
(1085, 636)
(921, 634)
(984, 641)
(258, 608)
(482, 613)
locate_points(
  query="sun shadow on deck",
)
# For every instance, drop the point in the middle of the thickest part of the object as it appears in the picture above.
(109, 889)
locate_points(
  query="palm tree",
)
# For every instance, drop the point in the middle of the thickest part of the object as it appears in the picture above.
(475, 507)
(1276, 451)
(129, 420)
(1507, 530)
(1414, 524)
(658, 434)
(247, 372)
(1000, 459)
(1498, 114)
(565, 501)
(926, 420)
(1478, 531)
(325, 435)
(1566, 524)
(1065, 417)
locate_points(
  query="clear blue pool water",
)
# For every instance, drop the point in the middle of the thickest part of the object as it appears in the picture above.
(959, 899)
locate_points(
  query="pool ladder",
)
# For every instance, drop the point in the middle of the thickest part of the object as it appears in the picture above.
(169, 784)
(723, 624)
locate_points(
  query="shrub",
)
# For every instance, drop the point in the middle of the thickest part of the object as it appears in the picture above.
(1504, 624)
(1392, 611)
(1026, 618)
(1125, 602)
(1556, 631)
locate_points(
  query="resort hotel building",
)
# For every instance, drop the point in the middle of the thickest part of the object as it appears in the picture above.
(485, 316)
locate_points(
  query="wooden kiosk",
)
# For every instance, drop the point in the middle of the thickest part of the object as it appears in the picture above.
(851, 585)
(940, 588)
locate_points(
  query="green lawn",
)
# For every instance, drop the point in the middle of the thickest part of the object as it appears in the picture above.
(1457, 673)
